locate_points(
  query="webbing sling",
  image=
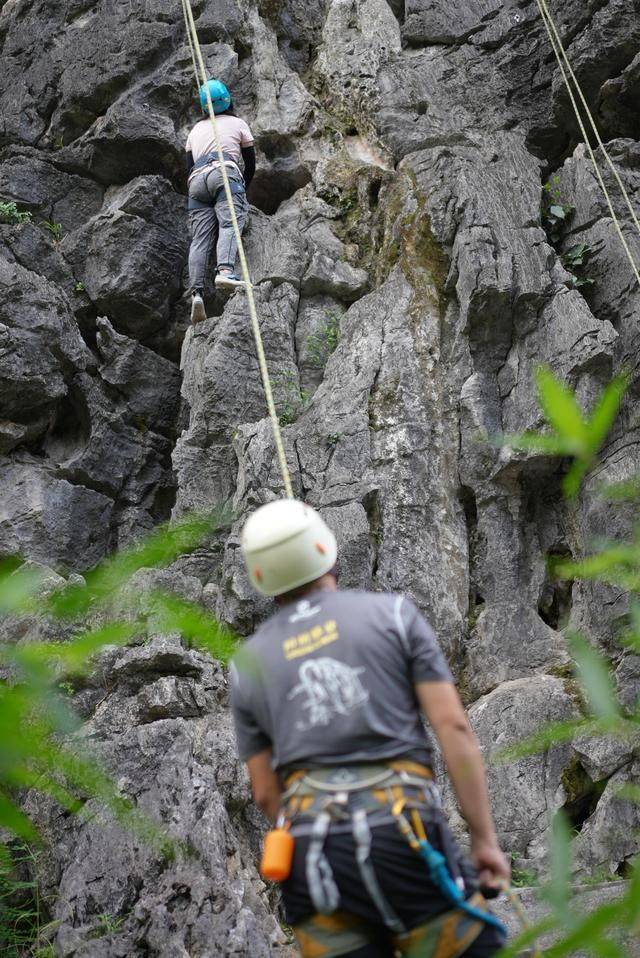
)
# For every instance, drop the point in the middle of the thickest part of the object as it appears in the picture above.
(377, 786)
(322, 887)
(200, 166)
(362, 836)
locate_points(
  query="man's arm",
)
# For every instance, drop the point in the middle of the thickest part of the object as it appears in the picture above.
(265, 784)
(441, 704)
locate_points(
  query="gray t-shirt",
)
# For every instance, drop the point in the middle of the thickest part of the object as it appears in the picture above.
(331, 678)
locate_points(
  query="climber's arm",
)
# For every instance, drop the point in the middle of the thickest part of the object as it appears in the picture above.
(441, 704)
(265, 784)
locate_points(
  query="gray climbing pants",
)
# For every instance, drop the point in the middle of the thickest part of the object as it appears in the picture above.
(213, 222)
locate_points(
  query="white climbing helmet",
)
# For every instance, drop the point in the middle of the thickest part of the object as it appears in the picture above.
(285, 545)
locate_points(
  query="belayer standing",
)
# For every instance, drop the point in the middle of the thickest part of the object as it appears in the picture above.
(209, 217)
(328, 697)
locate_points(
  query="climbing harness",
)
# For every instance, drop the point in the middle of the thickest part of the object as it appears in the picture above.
(437, 866)
(202, 81)
(357, 798)
(212, 160)
(209, 164)
(568, 74)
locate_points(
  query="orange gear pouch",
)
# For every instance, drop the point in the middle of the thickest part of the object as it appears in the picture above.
(277, 855)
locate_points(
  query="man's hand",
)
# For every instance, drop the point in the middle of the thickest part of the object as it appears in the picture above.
(493, 867)
(265, 784)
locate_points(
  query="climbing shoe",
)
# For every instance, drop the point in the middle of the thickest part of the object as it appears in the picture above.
(228, 281)
(198, 313)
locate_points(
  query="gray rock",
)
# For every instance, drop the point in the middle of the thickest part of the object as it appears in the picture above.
(147, 220)
(523, 790)
(37, 184)
(40, 350)
(401, 154)
(601, 756)
(585, 899)
(162, 728)
(148, 383)
(49, 519)
(430, 21)
(608, 839)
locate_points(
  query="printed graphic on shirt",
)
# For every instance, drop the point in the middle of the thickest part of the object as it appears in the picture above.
(304, 610)
(311, 640)
(330, 688)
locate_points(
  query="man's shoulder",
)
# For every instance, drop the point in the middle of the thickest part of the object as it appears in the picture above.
(378, 600)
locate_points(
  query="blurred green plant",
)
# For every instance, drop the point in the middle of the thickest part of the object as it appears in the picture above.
(571, 434)
(604, 929)
(10, 214)
(103, 609)
(24, 919)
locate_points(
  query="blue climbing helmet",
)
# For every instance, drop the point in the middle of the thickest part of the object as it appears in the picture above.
(220, 96)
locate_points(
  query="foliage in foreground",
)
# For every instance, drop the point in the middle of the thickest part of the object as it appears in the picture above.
(104, 610)
(24, 929)
(603, 930)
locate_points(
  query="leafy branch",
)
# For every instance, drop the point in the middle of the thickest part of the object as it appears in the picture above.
(103, 610)
(603, 929)
(573, 434)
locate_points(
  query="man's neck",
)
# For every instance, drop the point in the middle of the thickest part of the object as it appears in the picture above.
(326, 583)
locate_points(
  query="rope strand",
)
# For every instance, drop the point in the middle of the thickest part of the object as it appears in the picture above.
(610, 163)
(255, 324)
(192, 51)
(557, 47)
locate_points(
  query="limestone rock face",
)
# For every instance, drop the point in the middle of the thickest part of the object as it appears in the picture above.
(406, 288)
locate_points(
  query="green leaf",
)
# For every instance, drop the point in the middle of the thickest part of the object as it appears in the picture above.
(573, 479)
(561, 408)
(557, 891)
(519, 945)
(629, 792)
(594, 674)
(626, 490)
(553, 733)
(17, 588)
(541, 442)
(158, 550)
(589, 927)
(14, 820)
(605, 412)
(621, 556)
(173, 614)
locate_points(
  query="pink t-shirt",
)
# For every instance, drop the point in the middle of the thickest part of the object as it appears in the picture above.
(232, 131)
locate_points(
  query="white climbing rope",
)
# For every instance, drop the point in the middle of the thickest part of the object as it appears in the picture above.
(567, 75)
(191, 49)
(201, 79)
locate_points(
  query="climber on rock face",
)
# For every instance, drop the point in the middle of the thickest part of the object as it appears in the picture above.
(327, 698)
(209, 217)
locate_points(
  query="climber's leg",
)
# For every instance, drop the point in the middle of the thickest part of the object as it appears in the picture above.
(203, 225)
(341, 934)
(227, 248)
